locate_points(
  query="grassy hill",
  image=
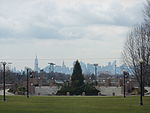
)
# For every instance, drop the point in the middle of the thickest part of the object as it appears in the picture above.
(73, 104)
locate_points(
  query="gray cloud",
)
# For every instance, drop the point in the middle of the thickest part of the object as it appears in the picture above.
(50, 19)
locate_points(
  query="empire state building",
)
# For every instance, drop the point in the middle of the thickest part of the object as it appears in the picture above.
(36, 68)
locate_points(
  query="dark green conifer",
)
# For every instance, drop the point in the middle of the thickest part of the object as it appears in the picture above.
(77, 77)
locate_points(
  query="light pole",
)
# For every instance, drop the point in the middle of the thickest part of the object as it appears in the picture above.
(39, 81)
(51, 67)
(27, 82)
(28, 69)
(141, 81)
(125, 74)
(4, 65)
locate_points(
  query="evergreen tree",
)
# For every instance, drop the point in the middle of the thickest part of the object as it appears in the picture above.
(77, 77)
(77, 86)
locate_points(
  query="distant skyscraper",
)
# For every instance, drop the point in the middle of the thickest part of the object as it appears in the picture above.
(36, 68)
(63, 68)
(63, 64)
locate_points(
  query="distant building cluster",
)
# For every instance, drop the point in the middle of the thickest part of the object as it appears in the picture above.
(111, 68)
(87, 69)
(50, 79)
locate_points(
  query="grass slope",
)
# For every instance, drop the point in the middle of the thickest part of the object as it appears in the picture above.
(52, 104)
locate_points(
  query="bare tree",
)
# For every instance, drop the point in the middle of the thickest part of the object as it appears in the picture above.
(137, 46)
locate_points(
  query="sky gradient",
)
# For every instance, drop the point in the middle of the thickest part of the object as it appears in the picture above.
(57, 30)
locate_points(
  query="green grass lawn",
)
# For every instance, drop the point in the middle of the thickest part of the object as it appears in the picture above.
(77, 104)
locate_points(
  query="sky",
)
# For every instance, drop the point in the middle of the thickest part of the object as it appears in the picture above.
(93, 31)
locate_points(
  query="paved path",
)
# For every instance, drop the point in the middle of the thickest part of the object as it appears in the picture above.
(6, 92)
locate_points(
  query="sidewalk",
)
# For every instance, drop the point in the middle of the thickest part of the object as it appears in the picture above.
(6, 92)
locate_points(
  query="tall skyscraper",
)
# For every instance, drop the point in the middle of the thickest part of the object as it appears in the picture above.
(36, 68)
(63, 64)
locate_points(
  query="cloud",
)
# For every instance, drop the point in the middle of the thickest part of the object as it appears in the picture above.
(65, 19)
(59, 29)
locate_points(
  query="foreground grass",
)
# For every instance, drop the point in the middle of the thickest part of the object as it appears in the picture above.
(53, 104)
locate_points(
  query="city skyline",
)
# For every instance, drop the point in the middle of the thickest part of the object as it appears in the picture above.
(87, 68)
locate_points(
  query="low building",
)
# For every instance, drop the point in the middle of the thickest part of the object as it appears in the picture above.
(110, 91)
(46, 90)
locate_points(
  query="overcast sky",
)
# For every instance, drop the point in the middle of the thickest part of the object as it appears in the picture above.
(65, 30)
